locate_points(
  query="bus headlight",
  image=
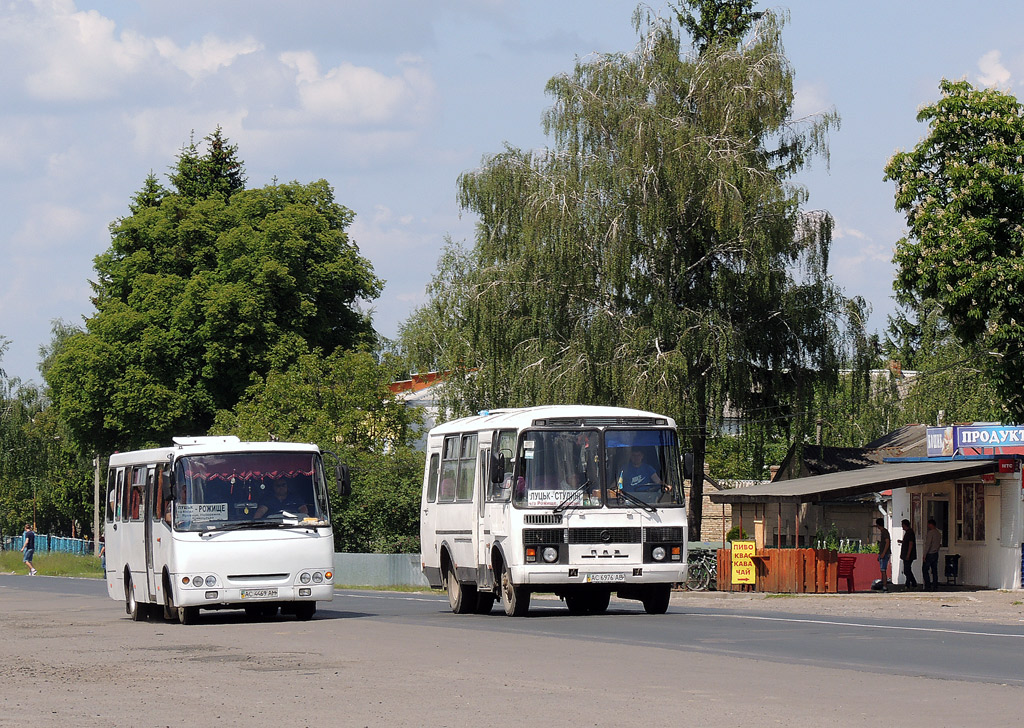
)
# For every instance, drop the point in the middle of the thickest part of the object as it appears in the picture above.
(197, 581)
(658, 553)
(550, 554)
(304, 577)
(211, 580)
(317, 577)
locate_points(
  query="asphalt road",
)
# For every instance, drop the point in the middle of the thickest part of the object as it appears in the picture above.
(71, 657)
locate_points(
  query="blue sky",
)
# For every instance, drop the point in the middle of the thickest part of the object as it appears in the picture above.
(390, 101)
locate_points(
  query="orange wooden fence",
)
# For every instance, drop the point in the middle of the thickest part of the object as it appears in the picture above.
(787, 571)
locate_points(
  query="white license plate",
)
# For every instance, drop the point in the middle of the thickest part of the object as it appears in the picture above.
(259, 593)
(604, 578)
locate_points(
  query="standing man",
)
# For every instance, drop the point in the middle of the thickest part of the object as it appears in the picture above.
(908, 553)
(932, 541)
(28, 547)
(884, 551)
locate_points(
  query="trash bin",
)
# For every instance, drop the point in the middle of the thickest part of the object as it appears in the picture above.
(952, 568)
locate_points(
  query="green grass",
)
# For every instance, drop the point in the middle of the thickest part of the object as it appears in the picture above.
(53, 564)
(781, 596)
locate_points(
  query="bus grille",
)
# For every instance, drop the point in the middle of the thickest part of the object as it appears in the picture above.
(543, 518)
(535, 536)
(625, 534)
(664, 534)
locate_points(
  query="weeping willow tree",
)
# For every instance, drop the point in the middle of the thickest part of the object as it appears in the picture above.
(656, 254)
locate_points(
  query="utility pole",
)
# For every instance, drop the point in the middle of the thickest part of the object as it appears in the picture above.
(96, 505)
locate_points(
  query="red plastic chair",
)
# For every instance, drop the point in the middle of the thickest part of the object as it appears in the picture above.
(846, 564)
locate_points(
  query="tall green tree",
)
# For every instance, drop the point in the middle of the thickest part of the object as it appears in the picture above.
(657, 254)
(206, 286)
(962, 189)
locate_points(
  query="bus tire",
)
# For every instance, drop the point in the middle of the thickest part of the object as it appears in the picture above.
(484, 602)
(514, 599)
(598, 601)
(170, 613)
(656, 598)
(304, 611)
(461, 597)
(577, 603)
(132, 607)
(188, 615)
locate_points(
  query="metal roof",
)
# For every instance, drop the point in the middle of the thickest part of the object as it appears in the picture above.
(872, 479)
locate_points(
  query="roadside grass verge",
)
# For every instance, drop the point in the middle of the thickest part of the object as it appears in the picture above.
(53, 563)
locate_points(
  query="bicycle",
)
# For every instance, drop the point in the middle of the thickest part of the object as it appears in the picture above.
(702, 570)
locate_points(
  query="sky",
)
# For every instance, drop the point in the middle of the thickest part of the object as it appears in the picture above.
(390, 101)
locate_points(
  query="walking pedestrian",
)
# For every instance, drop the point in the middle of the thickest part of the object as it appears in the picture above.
(884, 551)
(908, 553)
(930, 565)
(28, 547)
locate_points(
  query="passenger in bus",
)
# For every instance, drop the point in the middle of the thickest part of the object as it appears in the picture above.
(281, 500)
(638, 476)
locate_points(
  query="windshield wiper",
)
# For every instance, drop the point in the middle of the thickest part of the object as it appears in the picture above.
(635, 501)
(572, 496)
(238, 525)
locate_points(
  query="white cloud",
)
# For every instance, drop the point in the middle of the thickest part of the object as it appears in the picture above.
(810, 99)
(844, 232)
(65, 54)
(992, 70)
(207, 56)
(351, 95)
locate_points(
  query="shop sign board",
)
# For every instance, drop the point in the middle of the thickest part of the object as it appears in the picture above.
(742, 564)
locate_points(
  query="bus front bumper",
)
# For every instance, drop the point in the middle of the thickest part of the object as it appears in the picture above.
(241, 597)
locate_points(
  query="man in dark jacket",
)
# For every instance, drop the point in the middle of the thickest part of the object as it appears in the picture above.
(908, 553)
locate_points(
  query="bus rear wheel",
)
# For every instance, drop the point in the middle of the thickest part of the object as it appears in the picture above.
(132, 606)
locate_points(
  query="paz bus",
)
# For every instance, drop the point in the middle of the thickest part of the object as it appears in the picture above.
(576, 500)
(214, 523)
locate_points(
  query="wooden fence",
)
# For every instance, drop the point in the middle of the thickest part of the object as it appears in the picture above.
(785, 571)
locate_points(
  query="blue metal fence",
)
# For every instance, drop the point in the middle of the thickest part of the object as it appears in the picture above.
(46, 544)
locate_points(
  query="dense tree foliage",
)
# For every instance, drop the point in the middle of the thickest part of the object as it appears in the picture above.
(962, 189)
(657, 255)
(43, 478)
(343, 403)
(206, 286)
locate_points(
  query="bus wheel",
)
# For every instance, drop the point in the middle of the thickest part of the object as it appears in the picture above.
(170, 613)
(461, 597)
(599, 601)
(484, 602)
(132, 607)
(515, 599)
(188, 615)
(656, 598)
(304, 611)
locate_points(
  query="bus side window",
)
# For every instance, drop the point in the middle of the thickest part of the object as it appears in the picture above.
(435, 465)
(135, 509)
(449, 470)
(467, 468)
(111, 494)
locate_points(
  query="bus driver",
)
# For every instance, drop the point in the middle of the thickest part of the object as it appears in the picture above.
(638, 476)
(280, 501)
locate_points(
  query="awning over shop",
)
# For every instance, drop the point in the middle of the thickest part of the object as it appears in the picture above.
(872, 479)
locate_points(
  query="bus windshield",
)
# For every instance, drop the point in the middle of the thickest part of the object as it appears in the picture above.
(645, 465)
(582, 469)
(214, 491)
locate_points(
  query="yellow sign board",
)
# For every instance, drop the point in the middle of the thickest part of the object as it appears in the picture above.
(742, 564)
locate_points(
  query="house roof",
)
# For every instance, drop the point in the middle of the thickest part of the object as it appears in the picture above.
(871, 479)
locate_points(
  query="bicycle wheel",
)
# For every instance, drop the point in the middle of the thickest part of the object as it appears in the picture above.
(697, 577)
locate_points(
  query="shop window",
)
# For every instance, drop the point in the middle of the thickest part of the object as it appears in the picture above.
(970, 512)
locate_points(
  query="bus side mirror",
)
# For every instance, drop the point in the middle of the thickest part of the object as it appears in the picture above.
(497, 467)
(341, 475)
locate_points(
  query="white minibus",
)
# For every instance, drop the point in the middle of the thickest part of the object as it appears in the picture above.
(576, 500)
(214, 523)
